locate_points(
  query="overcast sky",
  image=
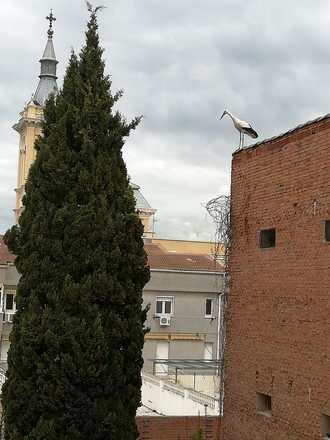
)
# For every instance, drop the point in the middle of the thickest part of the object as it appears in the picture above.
(180, 63)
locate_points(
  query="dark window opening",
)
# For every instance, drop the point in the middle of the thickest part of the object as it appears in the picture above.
(268, 238)
(325, 426)
(9, 301)
(264, 404)
(327, 230)
(208, 307)
(159, 307)
(168, 306)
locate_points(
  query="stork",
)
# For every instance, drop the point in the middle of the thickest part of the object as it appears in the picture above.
(243, 128)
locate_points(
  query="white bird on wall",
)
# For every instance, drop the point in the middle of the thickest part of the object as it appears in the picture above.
(243, 128)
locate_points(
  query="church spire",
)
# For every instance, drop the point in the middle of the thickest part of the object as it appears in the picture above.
(47, 83)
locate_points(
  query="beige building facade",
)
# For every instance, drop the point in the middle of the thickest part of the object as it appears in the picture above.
(29, 128)
(191, 328)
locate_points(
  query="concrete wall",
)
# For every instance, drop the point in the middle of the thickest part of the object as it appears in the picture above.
(177, 349)
(278, 323)
(188, 314)
(3, 270)
(189, 330)
(204, 383)
(172, 399)
(162, 280)
(11, 276)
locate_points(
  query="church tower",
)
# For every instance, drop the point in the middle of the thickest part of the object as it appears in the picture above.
(29, 124)
(29, 128)
(145, 212)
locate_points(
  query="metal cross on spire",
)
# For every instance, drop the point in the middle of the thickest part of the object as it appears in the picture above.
(51, 18)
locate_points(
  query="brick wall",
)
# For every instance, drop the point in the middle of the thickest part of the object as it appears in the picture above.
(278, 314)
(177, 428)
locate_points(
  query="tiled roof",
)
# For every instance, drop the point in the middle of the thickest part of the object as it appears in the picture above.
(202, 263)
(5, 255)
(158, 258)
(153, 249)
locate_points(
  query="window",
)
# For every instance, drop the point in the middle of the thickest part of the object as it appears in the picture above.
(267, 238)
(209, 302)
(9, 302)
(164, 305)
(9, 306)
(325, 426)
(264, 404)
(208, 351)
(327, 230)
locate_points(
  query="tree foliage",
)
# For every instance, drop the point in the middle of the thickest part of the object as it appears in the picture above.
(198, 435)
(75, 357)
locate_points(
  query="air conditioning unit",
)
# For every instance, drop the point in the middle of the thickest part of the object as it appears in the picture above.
(164, 320)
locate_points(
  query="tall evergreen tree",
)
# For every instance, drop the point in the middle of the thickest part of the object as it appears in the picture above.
(76, 346)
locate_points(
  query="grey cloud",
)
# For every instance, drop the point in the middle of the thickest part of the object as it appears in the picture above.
(180, 64)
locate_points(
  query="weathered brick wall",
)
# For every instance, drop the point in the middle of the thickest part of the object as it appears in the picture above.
(278, 314)
(178, 428)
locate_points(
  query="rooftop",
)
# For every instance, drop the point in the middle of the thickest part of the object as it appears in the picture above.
(158, 258)
(141, 202)
(305, 125)
(185, 246)
(184, 262)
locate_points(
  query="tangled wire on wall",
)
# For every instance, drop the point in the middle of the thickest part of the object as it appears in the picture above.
(219, 210)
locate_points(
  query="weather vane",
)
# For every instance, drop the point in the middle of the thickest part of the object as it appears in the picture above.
(50, 18)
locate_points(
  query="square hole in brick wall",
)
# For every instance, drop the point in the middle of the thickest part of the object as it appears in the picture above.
(264, 404)
(267, 238)
(325, 426)
(327, 230)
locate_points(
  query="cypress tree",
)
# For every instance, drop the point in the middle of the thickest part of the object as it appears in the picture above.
(76, 346)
